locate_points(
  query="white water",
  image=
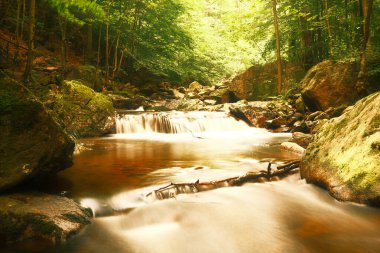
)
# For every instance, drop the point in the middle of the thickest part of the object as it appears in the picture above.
(177, 123)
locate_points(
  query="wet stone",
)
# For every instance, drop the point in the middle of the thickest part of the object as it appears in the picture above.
(40, 216)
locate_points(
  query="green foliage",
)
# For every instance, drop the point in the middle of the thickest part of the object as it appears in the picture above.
(71, 9)
(206, 40)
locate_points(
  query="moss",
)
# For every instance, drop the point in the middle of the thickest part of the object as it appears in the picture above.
(101, 101)
(82, 111)
(10, 93)
(348, 148)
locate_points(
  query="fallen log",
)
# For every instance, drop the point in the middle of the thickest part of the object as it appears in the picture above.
(172, 190)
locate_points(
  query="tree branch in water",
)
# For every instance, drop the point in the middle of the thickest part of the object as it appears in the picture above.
(172, 190)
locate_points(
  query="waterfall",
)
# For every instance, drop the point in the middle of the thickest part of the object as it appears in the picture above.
(177, 122)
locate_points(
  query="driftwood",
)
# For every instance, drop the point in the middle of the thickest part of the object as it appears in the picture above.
(172, 190)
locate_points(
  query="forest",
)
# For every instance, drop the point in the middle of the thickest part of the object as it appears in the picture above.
(189, 126)
(185, 40)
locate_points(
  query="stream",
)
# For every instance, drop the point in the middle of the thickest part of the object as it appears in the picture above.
(114, 174)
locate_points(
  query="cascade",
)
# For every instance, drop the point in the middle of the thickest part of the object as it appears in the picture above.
(177, 122)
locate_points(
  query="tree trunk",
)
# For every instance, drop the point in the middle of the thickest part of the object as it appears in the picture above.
(18, 21)
(367, 11)
(120, 62)
(107, 43)
(23, 19)
(115, 58)
(278, 48)
(89, 42)
(328, 27)
(63, 28)
(31, 32)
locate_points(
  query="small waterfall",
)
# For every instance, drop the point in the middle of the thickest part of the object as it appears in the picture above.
(177, 122)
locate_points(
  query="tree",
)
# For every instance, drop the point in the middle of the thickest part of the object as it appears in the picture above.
(31, 32)
(367, 6)
(278, 48)
(327, 18)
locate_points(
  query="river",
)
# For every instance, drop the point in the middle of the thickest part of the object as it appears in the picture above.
(114, 174)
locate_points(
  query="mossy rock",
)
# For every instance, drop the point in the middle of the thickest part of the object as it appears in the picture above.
(42, 216)
(82, 111)
(344, 157)
(330, 84)
(86, 74)
(32, 142)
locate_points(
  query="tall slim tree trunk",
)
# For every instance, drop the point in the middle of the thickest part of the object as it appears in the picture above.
(278, 48)
(18, 21)
(89, 42)
(107, 42)
(115, 58)
(99, 47)
(31, 32)
(107, 52)
(120, 61)
(367, 11)
(328, 27)
(23, 19)
(347, 25)
(63, 28)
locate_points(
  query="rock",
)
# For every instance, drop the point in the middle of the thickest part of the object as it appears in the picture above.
(330, 84)
(82, 111)
(292, 147)
(343, 156)
(321, 116)
(32, 142)
(242, 102)
(40, 216)
(279, 121)
(210, 102)
(302, 139)
(86, 74)
(275, 123)
(182, 89)
(128, 103)
(178, 94)
(300, 105)
(271, 114)
(335, 111)
(239, 115)
(195, 87)
(259, 81)
(318, 125)
(191, 105)
(300, 126)
(223, 96)
(313, 115)
(192, 95)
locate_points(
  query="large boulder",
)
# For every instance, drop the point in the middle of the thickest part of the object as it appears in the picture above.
(86, 74)
(259, 81)
(330, 84)
(82, 111)
(40, 216)
(344, 155)
(223, 95)
(32, 142)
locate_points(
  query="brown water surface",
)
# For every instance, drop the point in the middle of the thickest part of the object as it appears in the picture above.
(112, 175)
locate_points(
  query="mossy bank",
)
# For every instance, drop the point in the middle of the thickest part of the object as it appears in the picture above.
(344, 156)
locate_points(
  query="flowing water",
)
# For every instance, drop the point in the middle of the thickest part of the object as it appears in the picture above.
(113, 175)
